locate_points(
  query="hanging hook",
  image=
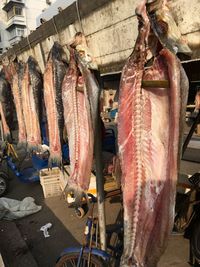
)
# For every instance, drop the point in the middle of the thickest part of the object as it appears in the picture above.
(56, 30)
(79, 17)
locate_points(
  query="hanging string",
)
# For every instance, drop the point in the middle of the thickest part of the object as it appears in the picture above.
(54, 24)
(29, 42)
(79, 17)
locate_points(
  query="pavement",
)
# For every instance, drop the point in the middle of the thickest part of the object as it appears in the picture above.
(67, 230)
(22, 244)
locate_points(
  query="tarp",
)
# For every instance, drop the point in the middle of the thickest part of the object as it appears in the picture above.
(11, 209)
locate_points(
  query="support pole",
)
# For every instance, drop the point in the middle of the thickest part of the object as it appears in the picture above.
(99, 169)
(189, 136)
(100, 184)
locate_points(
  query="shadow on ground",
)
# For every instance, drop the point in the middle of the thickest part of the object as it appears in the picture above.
(44, 250)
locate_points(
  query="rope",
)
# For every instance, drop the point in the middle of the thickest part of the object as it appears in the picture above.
(79, 17)
(56, 30)
(54, 24)
(29, 43)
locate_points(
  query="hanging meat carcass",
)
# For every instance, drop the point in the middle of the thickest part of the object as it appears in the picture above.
(6, 106)
(149, 123)
(32, 93)
(80, 99)
(13, 73)
(53, 78)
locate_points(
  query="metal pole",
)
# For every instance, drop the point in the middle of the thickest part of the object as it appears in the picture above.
(189, 136)
(99, 170)
(100, 184)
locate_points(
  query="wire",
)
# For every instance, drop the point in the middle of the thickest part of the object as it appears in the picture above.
(54, 24)
(28, 42)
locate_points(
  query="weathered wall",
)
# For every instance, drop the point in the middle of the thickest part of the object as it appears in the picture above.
(111, 33)
(110, 28)
(186, 14)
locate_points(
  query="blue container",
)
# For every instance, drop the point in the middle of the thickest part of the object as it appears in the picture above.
(39, 163)
(108, 143)
(65, 152)
(29, 175)
(113, 113)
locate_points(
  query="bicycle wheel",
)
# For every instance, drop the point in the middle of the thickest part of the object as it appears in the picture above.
(71, 260)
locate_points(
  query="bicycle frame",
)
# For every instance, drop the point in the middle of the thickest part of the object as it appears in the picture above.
(94, 251)
(90, 237)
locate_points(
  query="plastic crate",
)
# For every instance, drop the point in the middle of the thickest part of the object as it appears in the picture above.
(50, 182)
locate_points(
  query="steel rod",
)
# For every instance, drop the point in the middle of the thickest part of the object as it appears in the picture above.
(155, 84)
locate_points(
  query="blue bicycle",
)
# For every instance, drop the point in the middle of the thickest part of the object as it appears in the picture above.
(90, 254)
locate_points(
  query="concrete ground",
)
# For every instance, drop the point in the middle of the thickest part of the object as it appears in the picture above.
(67, 229)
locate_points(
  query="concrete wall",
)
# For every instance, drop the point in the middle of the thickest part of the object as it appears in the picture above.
(187, 16)
(111, 33)
(110, 28)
